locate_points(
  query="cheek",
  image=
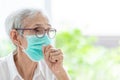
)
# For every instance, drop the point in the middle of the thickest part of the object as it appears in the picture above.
(24, 43)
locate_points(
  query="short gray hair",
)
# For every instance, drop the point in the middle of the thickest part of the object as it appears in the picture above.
(15, 20)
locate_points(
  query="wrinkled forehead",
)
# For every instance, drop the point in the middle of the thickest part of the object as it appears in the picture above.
(36, 19)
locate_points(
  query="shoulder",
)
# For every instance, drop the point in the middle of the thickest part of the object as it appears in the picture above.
(3, 62)
(3, 68)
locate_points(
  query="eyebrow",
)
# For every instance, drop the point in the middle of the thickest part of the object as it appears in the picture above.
(39, 26)
(42, 24)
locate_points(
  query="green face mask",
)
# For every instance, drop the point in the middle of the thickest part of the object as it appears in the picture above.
(34, 48)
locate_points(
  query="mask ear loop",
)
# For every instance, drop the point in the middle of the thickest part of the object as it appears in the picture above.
(23, 49)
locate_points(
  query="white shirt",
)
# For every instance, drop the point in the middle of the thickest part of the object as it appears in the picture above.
(8, 70)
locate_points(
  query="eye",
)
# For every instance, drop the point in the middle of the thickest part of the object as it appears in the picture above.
(39, 31)
(36, 29)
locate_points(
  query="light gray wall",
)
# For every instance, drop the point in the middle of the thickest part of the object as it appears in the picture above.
(108, 41)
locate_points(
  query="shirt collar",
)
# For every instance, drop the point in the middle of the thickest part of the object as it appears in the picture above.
(14, 72)
(12, 67)
(39, 71)
(41, 66)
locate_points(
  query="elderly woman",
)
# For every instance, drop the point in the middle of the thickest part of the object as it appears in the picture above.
(34, 58)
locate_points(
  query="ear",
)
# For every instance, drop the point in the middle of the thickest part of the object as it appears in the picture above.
(15, 37)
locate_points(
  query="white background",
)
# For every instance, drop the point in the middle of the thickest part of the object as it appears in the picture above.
(93, 17)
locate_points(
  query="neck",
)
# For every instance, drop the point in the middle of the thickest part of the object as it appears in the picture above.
(25, 66)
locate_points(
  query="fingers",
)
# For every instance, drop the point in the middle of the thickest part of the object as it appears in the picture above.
(45, 48)
(46, 51)
(54, 52)
(51, 54)
(56, 56)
